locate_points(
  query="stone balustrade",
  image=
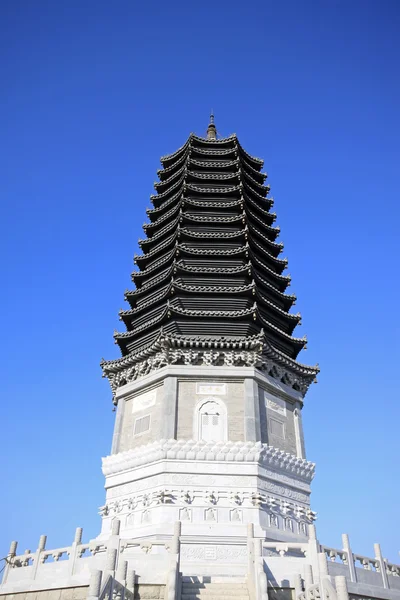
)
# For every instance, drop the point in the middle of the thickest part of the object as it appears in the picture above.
(358, 568)
(300, 565)
(44, 564)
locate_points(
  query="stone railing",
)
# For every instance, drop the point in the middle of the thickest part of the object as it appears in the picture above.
(63, 562)
(362, 569)
(97, 561)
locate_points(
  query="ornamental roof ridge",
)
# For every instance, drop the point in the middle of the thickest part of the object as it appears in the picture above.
(256, 194)
(273, 230)
(261, 222)
(280, 261)
(213, 163)
(248, 166)
(160, 233)
(257, 206)
(163, 195)
(285, 278)
(213, 288)
(163, 293)
(292, 339)
(126, 361)
(221, 190)
(267, 284)
(284, 313)
(160, 183)
(198, 138)
(213, 234)
(212, 152)
(212, 219)
(159, 247)
(209, 251)
(177, 152)
(119, 335)
(223, 270)
(154, 266)
(212, 313)
(162, 217)
(253, 158)
(265, 188)
(282, 358)
(226, 340)
(153, 211)
(215, 176)
(173, 166)
(212, 203)
(153, 283)
(176, 340)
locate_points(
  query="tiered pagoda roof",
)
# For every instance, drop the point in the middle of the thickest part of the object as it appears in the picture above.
(211, 283)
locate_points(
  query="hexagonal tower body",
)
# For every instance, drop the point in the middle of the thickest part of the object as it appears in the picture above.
(208, 389)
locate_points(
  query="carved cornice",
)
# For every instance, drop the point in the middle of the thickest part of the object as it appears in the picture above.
(196, 351)
(245, 452)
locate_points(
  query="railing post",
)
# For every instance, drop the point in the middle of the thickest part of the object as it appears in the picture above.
(261, 578)
(11, 554)
(323, 565)
(37, 557)
(350, 558)
(122, 571)
(173, 574)
(73, 553)
(341, 588)
(250, 560)
(313, 550)
(130, 581)
(379, 557)
(111, 561)
(308, 576)
(95, 584)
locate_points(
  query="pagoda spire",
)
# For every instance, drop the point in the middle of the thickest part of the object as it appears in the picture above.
(211, 129)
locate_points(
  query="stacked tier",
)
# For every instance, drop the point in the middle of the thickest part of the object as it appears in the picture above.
(210, 275)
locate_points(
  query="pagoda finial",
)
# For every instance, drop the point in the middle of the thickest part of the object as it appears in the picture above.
(211, 129)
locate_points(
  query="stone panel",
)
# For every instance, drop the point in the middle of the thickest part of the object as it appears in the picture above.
(277, 422)
(188, 399)
(146, 402)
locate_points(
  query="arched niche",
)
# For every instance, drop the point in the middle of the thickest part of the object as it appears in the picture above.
(210, 420)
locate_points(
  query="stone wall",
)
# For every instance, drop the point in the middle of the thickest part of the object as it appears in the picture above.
(143, 404)
(277, 422)
(189, 397)
(70, 593)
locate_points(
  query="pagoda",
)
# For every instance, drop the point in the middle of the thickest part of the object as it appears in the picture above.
(210, 286)
(207, 482)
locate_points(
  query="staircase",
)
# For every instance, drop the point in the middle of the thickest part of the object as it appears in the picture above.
(201, 590)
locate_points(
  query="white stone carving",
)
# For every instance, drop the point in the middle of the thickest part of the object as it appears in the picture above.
(210, 553)
(130, 520)
(211, 514)
(185, 514)
(146, 516)
(200, 450)
(236, 515)
(288, 373)
(144, 401)
(213, 389)
(273, 520)
(274, 403)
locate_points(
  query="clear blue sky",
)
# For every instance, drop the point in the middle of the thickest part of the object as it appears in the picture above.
(93, 93)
